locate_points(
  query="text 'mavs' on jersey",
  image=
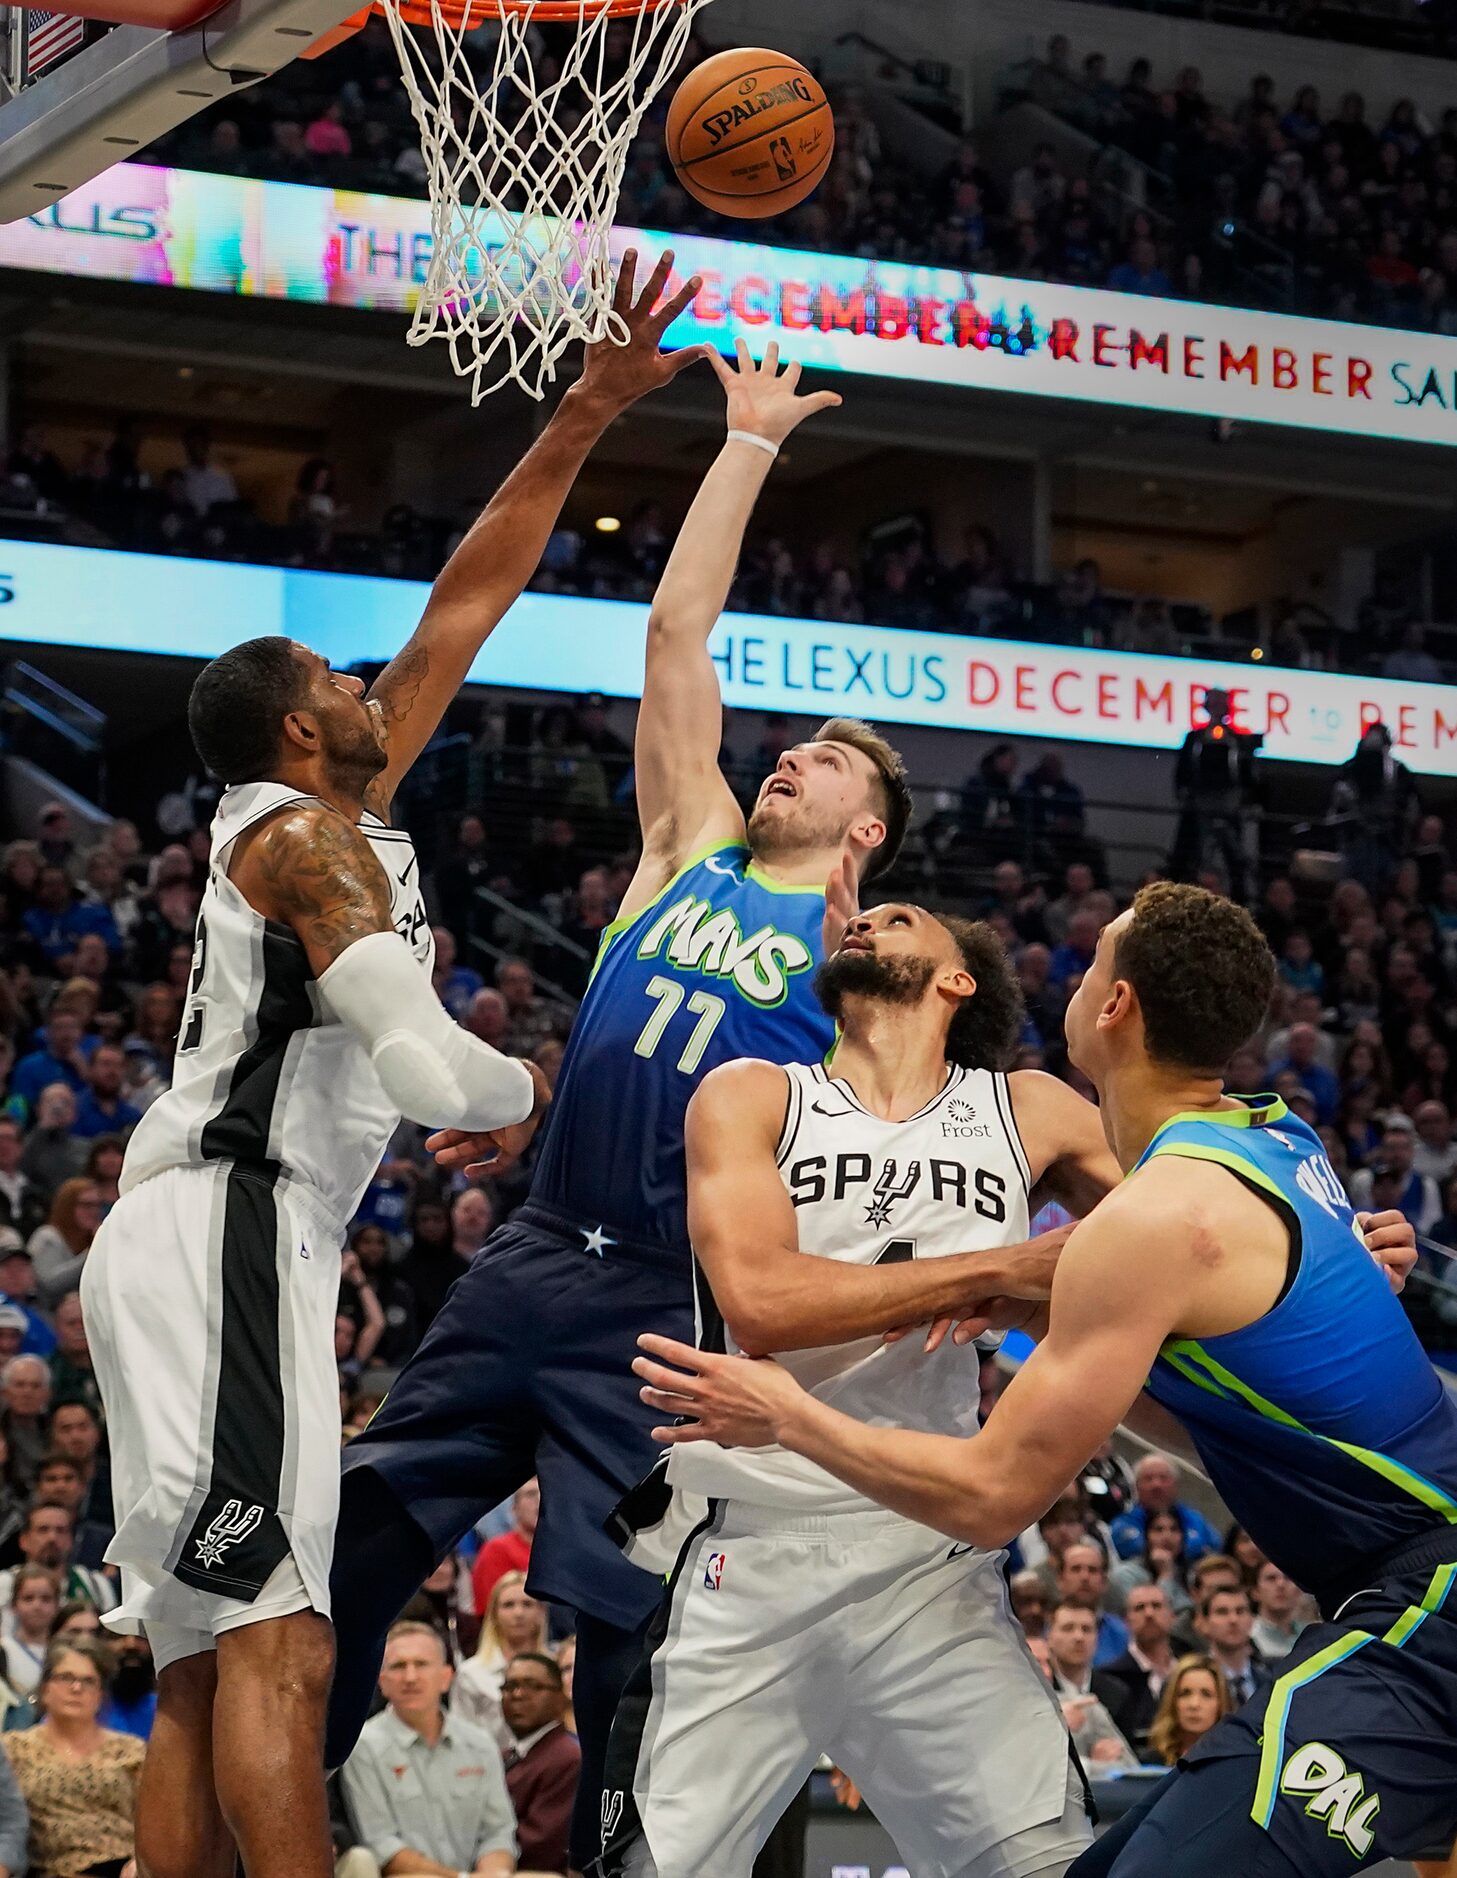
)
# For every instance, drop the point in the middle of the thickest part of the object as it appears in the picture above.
(867, 1191)
(720, 966)
(265, 1075)
(1324, 1427)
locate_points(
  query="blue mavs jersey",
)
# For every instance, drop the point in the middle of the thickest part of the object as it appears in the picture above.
(1324, 1427)
(718, 967)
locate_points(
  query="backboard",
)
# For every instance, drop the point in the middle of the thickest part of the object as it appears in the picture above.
(74, 109)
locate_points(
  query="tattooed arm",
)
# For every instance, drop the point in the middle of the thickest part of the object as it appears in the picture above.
(489, 570)
(311, 869)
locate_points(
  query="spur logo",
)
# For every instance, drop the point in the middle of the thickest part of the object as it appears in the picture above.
(230, 1528)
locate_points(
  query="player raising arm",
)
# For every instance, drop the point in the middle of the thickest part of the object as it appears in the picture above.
(488, 572)
(825, 1209)
(527, 1369)
(210, 1294)
(1227, 1276)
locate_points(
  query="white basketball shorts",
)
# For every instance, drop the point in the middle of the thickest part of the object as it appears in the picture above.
(858, 1635)
(209, 1300)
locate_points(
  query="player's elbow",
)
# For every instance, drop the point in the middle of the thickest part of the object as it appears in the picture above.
(984, 1520)
(669, 623)
(751, 1327)
(760, 1320)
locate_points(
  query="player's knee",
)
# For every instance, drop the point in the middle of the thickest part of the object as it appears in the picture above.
(288, 1660)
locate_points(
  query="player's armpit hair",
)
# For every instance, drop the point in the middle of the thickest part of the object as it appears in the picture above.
(322, 878)
(1201, 971)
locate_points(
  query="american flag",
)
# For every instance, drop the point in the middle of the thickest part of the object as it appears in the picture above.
(48, 35)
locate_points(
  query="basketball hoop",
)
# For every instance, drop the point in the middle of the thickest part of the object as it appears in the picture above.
(525, 166)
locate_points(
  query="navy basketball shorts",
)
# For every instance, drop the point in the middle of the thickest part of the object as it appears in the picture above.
(1349, 1758)
(528, 1370)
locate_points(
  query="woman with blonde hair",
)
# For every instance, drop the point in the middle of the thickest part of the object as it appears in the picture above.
(1193, 1700)
(79, 1779)
(58, 1249)
(514, 1622)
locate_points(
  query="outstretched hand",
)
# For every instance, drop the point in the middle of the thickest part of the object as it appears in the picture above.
(765, 401)
(482, 1156)
(738, 1401)
(618, 374)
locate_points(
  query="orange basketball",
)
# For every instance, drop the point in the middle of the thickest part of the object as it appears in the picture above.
(750, 132)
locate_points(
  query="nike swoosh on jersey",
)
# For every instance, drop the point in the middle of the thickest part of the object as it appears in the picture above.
(715, 866)
(833, 1114)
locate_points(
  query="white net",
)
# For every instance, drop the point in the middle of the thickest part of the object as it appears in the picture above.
(525, 129)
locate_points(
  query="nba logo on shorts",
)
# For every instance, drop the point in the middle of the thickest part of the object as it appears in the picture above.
(713, 1571)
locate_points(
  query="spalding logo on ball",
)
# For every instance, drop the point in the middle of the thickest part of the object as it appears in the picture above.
(750, 133)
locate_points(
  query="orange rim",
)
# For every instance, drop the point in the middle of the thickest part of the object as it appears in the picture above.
(456, 12)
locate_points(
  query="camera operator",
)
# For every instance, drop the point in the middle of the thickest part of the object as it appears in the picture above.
(1375, 806)
(1214, 784)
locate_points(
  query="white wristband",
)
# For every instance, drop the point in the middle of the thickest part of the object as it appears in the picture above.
(759, 443)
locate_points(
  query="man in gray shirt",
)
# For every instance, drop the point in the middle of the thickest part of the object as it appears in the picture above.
(426, 1792)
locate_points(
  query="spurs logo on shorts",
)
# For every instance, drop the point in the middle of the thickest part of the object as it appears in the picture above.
(612, 1803)
(230, 1528)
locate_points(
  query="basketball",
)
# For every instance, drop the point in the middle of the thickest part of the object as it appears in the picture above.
(750, 133)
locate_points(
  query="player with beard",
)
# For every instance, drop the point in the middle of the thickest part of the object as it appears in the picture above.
(825, 1210)
(210, 1293)
(711, 958)
(1226, 1278)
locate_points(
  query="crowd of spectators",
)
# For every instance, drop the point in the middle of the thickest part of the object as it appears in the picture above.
(1310, 205)
(1147, 1627)
(1267, 199)
(1148, 1624)
(1417, 27)
(106, 499)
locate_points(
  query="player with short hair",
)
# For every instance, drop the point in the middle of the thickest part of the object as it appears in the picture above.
(210, 1293)
(1226, 1274)
(826, 1210)
(711, 957)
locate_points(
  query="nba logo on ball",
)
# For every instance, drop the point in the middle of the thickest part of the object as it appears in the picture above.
(713, 1571)
(750, 133)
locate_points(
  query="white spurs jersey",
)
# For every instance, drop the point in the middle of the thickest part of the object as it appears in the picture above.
(264, 1073)
(952, 1178)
